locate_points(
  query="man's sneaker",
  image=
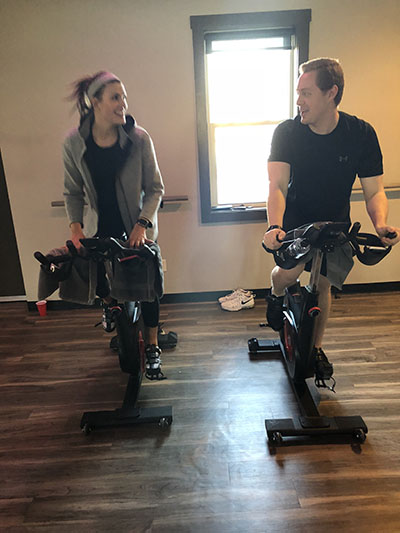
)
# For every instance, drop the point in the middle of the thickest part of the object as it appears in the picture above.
(234, 294)
(238, 303)
(166, 341)
(114, 344)
(323, 368)
(108, 320)
(153, 362)
(274, 311)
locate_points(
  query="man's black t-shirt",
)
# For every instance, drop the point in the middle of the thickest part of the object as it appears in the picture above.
(323, 167)
(104, 164)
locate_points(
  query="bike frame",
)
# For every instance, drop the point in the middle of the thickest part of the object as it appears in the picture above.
(298, 334)
(296, 350)
(130, 333)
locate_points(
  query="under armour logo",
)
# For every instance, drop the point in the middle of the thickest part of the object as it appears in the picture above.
(343, 158)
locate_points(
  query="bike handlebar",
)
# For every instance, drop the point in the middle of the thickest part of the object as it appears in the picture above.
(94, 248)
(335, 231)
(55, 259)
(325, 236)
(103, 249)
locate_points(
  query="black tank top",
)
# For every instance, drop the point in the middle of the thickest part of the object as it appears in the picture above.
(104, 165)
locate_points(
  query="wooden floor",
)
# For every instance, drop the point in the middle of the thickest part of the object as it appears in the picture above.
(212, 471)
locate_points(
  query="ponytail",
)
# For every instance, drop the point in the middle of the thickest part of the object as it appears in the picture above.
(79, 94)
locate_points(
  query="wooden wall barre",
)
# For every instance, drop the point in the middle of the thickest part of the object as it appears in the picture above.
(165, 200)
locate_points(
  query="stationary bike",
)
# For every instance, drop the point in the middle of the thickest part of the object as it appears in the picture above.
(300, 310)
(130, 333)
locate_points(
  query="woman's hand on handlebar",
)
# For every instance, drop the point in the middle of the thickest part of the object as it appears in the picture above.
(138, 237)
(76, 234)
(273, 238)
(389, 235)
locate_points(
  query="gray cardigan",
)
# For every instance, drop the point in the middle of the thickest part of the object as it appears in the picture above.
(139, 185)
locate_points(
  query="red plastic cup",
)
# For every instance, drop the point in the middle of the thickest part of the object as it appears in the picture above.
(42, 307)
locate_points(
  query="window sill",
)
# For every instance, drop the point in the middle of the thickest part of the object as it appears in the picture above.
(235, 214)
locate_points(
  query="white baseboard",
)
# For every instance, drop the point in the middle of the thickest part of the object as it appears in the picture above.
(13, 298)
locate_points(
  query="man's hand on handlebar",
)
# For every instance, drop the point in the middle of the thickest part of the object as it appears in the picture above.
(273, 238)
(389, 235)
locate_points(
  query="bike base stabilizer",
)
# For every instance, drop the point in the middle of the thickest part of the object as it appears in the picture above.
(126, 417)
(310, 423)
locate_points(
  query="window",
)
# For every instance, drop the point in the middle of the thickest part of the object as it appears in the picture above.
(245, 71)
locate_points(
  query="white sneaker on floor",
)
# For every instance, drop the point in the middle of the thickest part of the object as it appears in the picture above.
(234, 294)
(238, 303)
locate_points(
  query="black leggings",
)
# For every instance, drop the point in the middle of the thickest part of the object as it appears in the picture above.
(150, 310)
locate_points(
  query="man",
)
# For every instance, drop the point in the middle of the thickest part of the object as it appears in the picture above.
(313, 163)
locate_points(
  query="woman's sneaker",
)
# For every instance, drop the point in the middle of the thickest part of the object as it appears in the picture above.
(153, 362)
(274, 311)
(108, 320)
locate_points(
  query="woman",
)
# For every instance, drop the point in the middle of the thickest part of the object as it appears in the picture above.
(110, 164)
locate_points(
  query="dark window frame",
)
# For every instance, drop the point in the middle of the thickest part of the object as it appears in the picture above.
(202, 25)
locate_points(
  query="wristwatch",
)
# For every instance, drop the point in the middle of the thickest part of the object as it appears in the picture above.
(144, 223)
(274, 226)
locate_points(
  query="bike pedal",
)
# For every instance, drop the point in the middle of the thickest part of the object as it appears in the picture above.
(321, 384)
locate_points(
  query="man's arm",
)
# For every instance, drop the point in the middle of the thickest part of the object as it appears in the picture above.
(377, 208)
(279, 175)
